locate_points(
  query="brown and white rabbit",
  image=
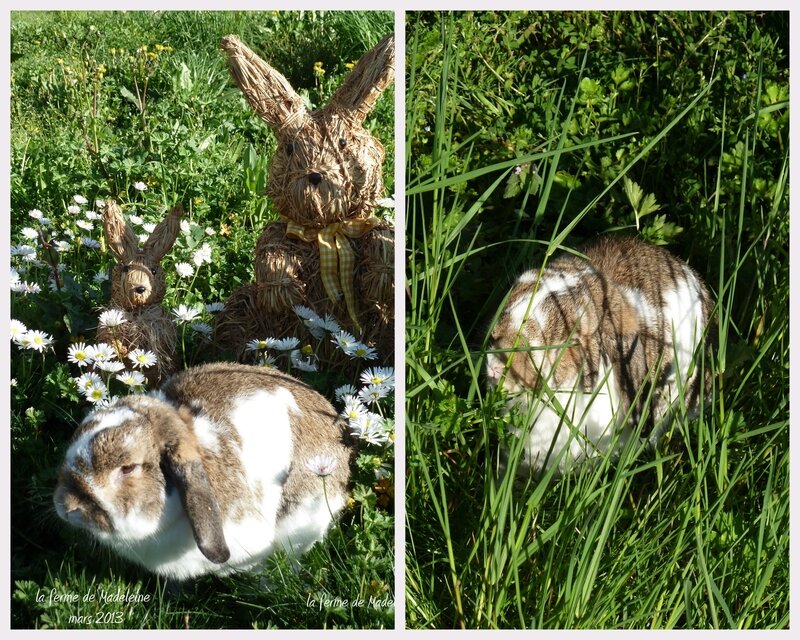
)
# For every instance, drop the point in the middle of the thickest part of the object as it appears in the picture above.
(210, 473)
(138, 288)
(589, 347)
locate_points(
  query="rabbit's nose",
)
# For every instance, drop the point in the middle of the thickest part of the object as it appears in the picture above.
(315, 178)
(140, 289)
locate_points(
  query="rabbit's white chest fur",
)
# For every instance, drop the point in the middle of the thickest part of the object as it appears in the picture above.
(587, 350)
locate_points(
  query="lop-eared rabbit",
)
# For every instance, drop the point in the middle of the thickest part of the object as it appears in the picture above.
(210, 473)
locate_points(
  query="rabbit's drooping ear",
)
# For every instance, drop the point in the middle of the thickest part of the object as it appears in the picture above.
(267, 91)
(359, 92)
(121, 238)
(181, 457)
(164, 235)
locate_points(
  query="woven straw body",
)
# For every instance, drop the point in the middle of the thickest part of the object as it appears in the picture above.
(328, 253)
(150, 329)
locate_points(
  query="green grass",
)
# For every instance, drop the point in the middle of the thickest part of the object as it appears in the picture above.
(99, 102)
(694, 108)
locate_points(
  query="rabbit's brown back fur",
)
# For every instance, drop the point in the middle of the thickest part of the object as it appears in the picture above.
(316, 426)
(609, 310)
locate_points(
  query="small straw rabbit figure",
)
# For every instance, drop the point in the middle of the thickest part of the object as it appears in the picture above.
(328, 252)
(210, 473)
(588, 348)
(137, 289)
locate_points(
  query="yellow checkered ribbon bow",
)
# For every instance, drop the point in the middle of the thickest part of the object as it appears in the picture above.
(337, 261)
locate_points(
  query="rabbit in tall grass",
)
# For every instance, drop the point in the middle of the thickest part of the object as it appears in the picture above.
(210, 473)
(589, 347)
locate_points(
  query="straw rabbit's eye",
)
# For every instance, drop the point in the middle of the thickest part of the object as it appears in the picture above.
(126, 268)
(128, 469)
(289, 149)
(342, 143)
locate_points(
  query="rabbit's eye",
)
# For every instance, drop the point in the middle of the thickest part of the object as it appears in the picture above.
(289, 149)
(128, 469)
(342, 143)
(126, 268)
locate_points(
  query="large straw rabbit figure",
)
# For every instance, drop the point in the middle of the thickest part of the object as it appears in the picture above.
(137, 289)
(328, 252)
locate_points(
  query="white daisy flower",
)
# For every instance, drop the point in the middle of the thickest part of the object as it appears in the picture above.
(97, 394)
(17, 330)
(304, 312)
(137, 220)
(38, 340)
(344, 390)
(354, 409)
(132, 378)
(184, 269)
(112, 318)
(30, 287)
(258, 345)
(24, 251)
(143, 237)
(90, 243)
(100, 277)
(329, 324)
(361, 351)
(36, 214)
(140, 186)
(79, 199)
(101, 352)
(373, 393)
(29, 233)
(111, 366)
(303, 364)
(186, 314)
(378, 375)
(74, 209)
(186, 227)
(79, 355)
(201, 327)
(344, 340)
(62, 246)
(210, 231)
(202, 255)
(286, 344)
(371, 429)
(321, 465)
(267, 360)
(85, 225)
(142, 359)
(386, 203)
(99, 204)
(92, 215)
(88, 381)
(149, 226)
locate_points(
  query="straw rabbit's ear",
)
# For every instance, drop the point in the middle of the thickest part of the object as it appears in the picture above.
(359, 92)
(164, 235)
(121, 239)
(267, 91)
(181, 458)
